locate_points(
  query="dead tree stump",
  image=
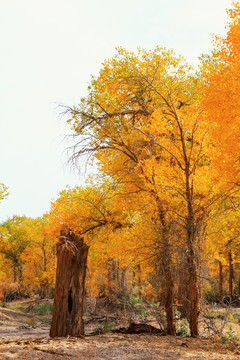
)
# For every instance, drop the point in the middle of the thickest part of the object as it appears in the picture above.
(70, 284)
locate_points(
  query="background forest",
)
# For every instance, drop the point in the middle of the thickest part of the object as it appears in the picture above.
(161, 216)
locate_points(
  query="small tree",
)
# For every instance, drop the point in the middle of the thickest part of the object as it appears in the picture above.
(14, 236)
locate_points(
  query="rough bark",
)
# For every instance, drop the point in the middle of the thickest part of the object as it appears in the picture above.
(230, 276)
(220, 282)
(238, 288)
(193, 273)
(183, 288)
(193, 239)
(171, 329)
(194, 295)
(169, 285)
(137, 279)
(139, 276)
(44, 287)
(139, 328)
(70, 285)
(111, 284)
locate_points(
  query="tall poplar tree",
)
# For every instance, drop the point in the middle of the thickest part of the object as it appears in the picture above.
(142, 125)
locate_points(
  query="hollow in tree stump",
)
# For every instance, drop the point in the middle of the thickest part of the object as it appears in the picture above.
(70, 283)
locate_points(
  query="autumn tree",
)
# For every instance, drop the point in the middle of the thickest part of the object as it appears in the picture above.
(27, 252)
(39, 257)
(90, 218)
(222, 248)
(91, 213)
(3, 191)
(220, 98)
(142, 125)
(14, 240)
(220, 105)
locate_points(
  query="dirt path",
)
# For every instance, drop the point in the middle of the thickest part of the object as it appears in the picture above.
(18, 340)
(112, 346)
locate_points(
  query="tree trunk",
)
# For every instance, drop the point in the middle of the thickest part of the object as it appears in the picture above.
(193, 280)
(169, 285)
(44, 286)
(183, 289)
(139, 277)
(220, 282)
(14, 273)
(166, 264)
(171, 329)
(230, 276)
(238, 287)
(70, 283)
(109, 287)
(137, 281)
(194, 295)
(193, 253)
(123, 282)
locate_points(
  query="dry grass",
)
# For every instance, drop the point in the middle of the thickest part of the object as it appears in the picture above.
(21, 341)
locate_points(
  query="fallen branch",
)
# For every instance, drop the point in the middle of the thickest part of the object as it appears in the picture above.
(50, 352)
(139, 328)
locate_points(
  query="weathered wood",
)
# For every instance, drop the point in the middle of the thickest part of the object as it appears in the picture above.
(231, 276)
(220, 282)
(70, 284)
(139, 328)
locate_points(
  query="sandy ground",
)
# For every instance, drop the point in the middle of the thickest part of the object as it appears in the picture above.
(18, 340)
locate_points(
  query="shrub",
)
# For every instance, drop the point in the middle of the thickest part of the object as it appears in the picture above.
(42, 309)
(183, 330)
(105, 327)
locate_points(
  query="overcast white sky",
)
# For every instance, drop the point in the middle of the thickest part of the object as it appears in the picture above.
(49, 48)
